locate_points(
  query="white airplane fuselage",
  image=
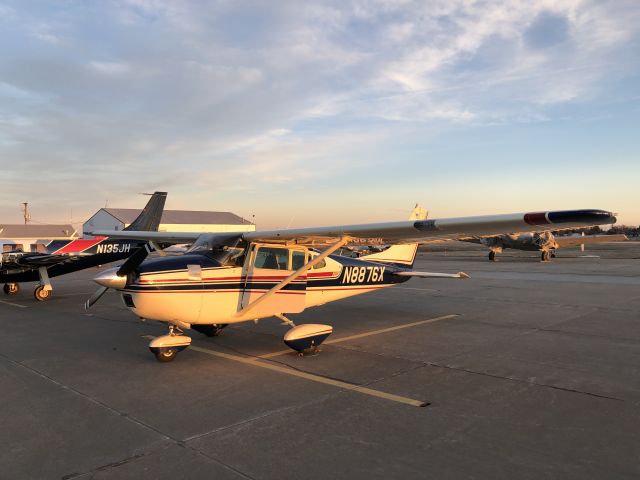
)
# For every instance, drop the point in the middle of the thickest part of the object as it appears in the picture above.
(190, 289)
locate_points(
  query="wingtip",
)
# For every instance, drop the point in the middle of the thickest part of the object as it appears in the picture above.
(463, 275)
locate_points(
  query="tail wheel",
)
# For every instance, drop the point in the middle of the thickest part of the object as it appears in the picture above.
(41, 294)
(166, 355)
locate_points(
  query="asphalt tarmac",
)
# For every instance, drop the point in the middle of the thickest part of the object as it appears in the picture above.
(525, 370)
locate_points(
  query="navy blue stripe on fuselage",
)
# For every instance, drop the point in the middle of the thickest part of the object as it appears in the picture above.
(206, 286)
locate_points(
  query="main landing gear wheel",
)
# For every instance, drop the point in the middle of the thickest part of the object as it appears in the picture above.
(11, 288)
(41, 294)
(492, 256)
(545, 256)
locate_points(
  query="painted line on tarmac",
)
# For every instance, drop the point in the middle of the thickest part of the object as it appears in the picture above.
(14, 304)
(393, 329)
(256, 362)
(368, 334)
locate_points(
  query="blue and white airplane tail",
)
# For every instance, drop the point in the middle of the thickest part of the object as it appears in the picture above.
(401, 255)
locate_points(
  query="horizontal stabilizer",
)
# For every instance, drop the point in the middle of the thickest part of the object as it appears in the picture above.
(589, 240)
(431, 274)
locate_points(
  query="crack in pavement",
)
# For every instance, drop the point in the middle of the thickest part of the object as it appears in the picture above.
(124, 415)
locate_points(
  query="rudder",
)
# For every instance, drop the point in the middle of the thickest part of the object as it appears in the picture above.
(149, 218)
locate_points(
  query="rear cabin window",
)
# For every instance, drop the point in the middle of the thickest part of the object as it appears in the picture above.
(321, 264)
(274, 258)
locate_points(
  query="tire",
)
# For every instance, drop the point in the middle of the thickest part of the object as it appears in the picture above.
(11, 288)
(167, 355)
(545, 256)
(492, 256)
(41, 294)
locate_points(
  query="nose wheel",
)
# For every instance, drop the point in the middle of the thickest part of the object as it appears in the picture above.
(167, 347)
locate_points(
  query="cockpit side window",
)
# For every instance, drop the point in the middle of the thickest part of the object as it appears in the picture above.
(274, 258)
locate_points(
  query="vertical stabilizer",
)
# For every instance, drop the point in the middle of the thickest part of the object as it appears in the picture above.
(149, 218)
(403, 255)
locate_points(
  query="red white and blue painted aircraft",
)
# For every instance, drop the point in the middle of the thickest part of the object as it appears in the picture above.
(66, 256)
(236, 277)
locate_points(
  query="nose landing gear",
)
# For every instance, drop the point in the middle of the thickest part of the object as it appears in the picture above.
(166, 347)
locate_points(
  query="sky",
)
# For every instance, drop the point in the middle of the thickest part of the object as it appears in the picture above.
(316, 113)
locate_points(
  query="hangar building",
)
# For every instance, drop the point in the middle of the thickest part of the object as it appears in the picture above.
(33, 238)
(172, 221)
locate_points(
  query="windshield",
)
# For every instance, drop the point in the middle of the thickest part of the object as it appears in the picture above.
(225, 255)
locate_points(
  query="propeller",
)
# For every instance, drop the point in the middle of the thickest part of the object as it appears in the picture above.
(95, 297)
(117, 277)
(134, 261)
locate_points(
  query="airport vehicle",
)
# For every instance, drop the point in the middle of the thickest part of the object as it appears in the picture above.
(228, 278)
(66, 256)
(544, 242)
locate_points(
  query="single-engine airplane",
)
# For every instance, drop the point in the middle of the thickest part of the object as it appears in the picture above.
(544, 242)
(236, 277)
(64, 256)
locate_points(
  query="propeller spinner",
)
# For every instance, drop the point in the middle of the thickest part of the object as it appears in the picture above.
(117, 277)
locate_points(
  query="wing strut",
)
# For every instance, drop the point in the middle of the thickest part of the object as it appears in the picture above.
(294, 275)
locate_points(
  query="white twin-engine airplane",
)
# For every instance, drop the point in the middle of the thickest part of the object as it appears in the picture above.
(228, 278)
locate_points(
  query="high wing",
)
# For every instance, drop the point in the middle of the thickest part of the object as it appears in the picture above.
(411, 231)
(588, 239)
(407, 231)
(163, 237)
(35, 260)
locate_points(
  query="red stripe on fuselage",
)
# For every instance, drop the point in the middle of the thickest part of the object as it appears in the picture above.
(77, 246)
(221, 279)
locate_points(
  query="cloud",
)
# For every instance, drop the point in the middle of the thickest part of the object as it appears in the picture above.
(250, 95)
(109, 68)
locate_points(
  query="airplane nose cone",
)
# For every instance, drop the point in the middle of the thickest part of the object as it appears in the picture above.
(110, 279)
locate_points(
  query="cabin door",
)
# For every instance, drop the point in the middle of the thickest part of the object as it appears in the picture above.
(267, 266)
